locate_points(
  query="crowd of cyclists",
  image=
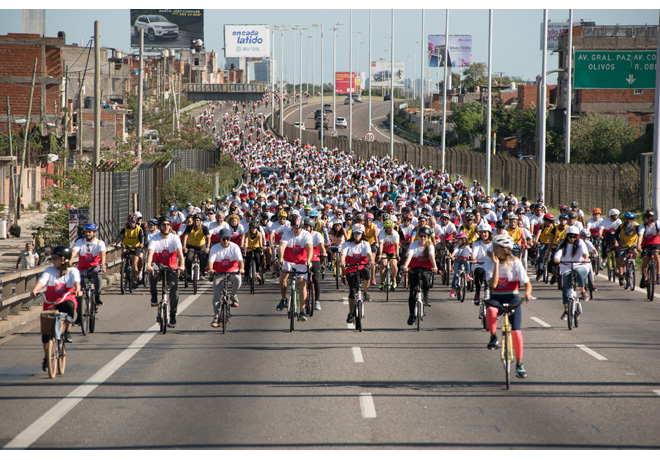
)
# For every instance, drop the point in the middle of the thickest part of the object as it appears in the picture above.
(306, 210)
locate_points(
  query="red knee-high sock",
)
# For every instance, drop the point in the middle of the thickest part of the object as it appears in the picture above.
(491, 319)
(517, 344)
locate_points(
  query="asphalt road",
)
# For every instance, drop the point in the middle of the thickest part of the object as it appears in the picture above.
(326, 386)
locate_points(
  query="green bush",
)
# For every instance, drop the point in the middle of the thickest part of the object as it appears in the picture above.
(187, 186)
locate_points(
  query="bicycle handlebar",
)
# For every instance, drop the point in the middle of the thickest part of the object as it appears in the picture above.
(506, 307)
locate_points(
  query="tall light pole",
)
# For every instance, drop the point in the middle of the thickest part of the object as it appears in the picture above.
(314, 79)
(414, 74)
(543, 108)
(350, 84)
(334, 76)
(307, 86)
(569, 88)
(300, 122)
(370, 81)
(392, 91)
(490, 100)
(424, 46)
(444, 93)
(282, 29)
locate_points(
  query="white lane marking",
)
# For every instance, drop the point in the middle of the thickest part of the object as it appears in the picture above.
(344, 300)
(367, 405)
(637, 288)
(357, 355)
(30, 435)
(589, 351)
(657, 392)
(348, 325)
(542, 323)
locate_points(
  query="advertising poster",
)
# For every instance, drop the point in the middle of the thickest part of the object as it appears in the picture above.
(343, 83)
(381, 74)
(167, 28)
(247, 41)
(460, 50)
(78, 218)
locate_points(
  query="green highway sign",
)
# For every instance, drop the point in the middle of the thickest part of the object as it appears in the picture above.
(614, 69)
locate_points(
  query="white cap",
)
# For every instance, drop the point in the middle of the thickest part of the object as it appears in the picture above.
(573, 230)
(613, 212)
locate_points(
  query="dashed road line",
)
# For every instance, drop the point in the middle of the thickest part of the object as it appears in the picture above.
(657, 392)
(589, 351)
(357, 355)
(542, 323)
(367, 405)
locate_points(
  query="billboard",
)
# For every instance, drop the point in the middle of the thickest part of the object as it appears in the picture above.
(381, 74)
(166, 28)
(343, 83)
(460, 50)
(247, 41)
(555, 29)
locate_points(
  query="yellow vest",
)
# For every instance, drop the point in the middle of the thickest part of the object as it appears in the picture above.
(131, 236)
(545, 234)
(252, 242)
(516, 234)
(196, 237)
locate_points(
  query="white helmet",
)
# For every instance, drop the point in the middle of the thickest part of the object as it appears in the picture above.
(484, 227)
(572, 230)
(138, 215)
(504, 241)
(613, 212)
(358, 228)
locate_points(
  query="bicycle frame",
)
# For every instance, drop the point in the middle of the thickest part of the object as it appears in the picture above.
(293, 306)
(507, 355)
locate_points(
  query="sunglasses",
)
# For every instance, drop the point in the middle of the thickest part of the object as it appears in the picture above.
(571, 236)
(224, 239)
(165, 224)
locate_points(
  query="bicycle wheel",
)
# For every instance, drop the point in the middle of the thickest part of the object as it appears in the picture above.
(224, 312)
(163, 317)
(650, 282)
(61, 357)
(631, 276)
(484, 323)
(91, 318)
(419, 311)
(460, 291)
(84, 313)
(545, 272)
(51, 356)
(129, 278)
(431, 280)
(576, 315)
(336, 272)
(599, 260)
(359, 310)
(122, 276)
(311, 298)
(506, 352)
(571, 313)
(195, 277)
(446, 271)
(292, 310)
(388, 283)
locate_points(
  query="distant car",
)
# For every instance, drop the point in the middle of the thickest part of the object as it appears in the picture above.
(155, 26)
(266, 172)
(341, 122)
(297, 124)
(357, 98)
(347, 100)
(317, 114)
(327, 107)
(317, 125)
(343, 135)
(387, 97)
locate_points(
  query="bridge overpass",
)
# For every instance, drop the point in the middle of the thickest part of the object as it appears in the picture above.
(225, 91)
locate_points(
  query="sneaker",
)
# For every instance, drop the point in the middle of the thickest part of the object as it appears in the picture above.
(302, 317)
(44, 365)
(317, 305)
(98, 301)
(234, 301)
(367, 297)
(411, 320)
(373, 281)
(77, 322)
(585, 297)
(275, 274)
(564, 316)
(349, 318)
(394, 285)
(553, 280)
(521, 373)
(281, 305)
(642, 283)
(259, 277)
(477, 299)
(67, 337)
(154, 302)
(172, 323)
(468, 277)
(539, 277)
(593, 288)
(452, 293)
(215, 322)
(620, 280)
(493, 344)
(380, 287)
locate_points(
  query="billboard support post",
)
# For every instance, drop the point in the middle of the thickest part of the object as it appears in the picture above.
(350, 83)
(444, 96)
(140, 96)
(391, 91)
(370, 80)
(421, 88)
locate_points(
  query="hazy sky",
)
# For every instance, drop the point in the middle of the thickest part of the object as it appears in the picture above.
(516, 32)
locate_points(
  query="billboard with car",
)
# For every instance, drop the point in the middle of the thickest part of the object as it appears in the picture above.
(247, 41)
(459, 53)
(343, 83)
(381, 74)
(166, 28)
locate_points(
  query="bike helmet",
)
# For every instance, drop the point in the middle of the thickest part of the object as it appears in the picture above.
(163, 219)
(574, 204)
(649, 214)
(425, 231)
(629, 215)
(503, 241)
(572, 215)
(337, 222)
(307, 207)
(484, 227)
(281, 215)
(584, 232)
(358, 228)
(469, 217)
(549, 217)
(131, 219)
(308, 223)
(254, 224)
(314, 213)
(388, 224)
(138, 215)
(462, 235)
(505, 215)
(358, 218)
(63, 251)
(615, 212)
(572, 230)
(296, 221)
(197, 216)
(499, 225)
(563, 216)
(224, 233)
(348, 216)
(173, 208)
(153, 221)
(369, 216)
(264, 216)
(91, 227)
(596, 211)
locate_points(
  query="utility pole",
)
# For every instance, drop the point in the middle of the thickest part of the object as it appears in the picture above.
(391, 91)
(80, 115)
(19, 194)
(370, 81)
(444, 92)
(12, 171)
(421, 88)
(490, 86)
(569, 88)
(97, 94)
(656, 133)
(138, 131)
(541, 122)
(350, 84)
(334, 76)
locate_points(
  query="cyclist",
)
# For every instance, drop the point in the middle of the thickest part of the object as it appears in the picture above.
(196, 239)
(177, 217)
(480, 251)
(295, 252)
(236, 228)
(421, 256)
(461, 258)
(557, 236)
(152, 230)
(606, 232)
(542, 239)
(92, 260)
(356, 251)
(572, 249)
(225, 257)
(593, 252)
(650, 243)
(371, 236)
(215, 227)
(469, 228)
(276, 230)
(317, 252)
(253, 244)
(627, 241)
(132, 235)
(165, 251)
(62, 284)
(389, 249)
(505, 274)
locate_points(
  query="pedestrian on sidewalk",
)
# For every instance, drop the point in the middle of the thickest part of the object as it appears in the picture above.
(27, 258)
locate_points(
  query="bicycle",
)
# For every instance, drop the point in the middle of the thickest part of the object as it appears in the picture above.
(505, 310)
(445, 264)
(596, 261)
(651, 276)
(195, 271)
(461, 284)
(419, 311)
(574, 305)
(88, 319)
(293, 306)
(126, 272)
(358, 306)
(52, 325)
(611, 264)
(485, 295)
(335, 265)
(629, 272)
(225, 307)
(252, 273)
(163, 305)
(387, 283)
(323, 263)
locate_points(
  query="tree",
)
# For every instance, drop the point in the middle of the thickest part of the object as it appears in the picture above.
(468, 120)
(475, 75)
(599, 138)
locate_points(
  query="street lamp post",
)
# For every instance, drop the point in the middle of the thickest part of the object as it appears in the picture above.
(334, 75)
(322, 106)
(370, 81)
(392, 92)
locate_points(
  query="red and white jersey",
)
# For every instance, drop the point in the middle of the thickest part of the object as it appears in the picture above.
(278, 230)
(536, 223)
(418, 260)
(59, 288)
(224, 260)
(89, 252)
(356, 254)
(650, 234)
(236, 233)
(407, 232)
(177, 220)
(317, 239)
(165, 250)
(389, 241)
(214, 230)
(296, 246)
(610, 227)
(593, 225)
(447, 231)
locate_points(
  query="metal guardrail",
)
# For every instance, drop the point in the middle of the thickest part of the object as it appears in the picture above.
(225, 88)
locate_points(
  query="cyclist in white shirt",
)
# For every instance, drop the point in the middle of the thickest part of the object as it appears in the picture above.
(92, 260)
(296, 251)
(225, 257)
(572, 249)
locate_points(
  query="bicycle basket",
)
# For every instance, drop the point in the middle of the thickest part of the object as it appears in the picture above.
(48, 325)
